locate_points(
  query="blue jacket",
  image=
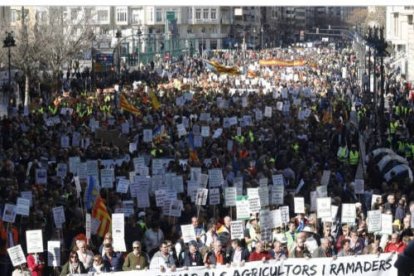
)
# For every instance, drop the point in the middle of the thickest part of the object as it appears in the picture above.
(115, 264)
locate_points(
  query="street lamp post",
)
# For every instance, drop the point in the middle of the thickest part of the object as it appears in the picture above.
(139, 34)
(8, 43)
(118, 35)
(202, 41)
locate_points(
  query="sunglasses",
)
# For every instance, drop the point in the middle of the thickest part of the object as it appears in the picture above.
(136, 247)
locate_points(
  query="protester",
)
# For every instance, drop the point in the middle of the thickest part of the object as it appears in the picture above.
(36, 264)
(162, 259)
(73, 265)
(113, 259)
(135, 260)
(238, 254)
(85, 255)
(216, 256)
(192, 257)
(99, 266)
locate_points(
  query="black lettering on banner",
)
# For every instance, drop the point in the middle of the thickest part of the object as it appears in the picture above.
(254, 272)
(275, 271)
(332, 271)
(367, 266)
(389, 265)
(350, 267)
(288, 268)
(245, 272)
(223, 273)
(341, 269)
(296, 271)
(313, 270)
(236, 273)
(358, 267)
(375, 265)
(279, 271)
(264, 271)
(323, 270)
(305, 270)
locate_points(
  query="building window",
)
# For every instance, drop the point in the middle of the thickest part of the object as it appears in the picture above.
(190, 13)
(135, 17)
(213, 14)
(14, 16)
(205, 13)
(396, 24)
(198, 13)
(121, 15)
(102, 15)
(158, 15)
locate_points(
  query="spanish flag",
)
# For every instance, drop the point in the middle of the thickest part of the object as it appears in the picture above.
(128, 106)
(100, 213)
(154, 101)
(218, 68)
(251, 74)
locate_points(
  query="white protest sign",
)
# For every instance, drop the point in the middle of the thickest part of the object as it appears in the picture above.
(284, 210)
(278, 179)
(217, 133)
(9, 213)
(348, 213)
(322, 191)
(73, 164)
(230, 194)
(147, 133)
(160, 197)
(34, 241)
(201, 197)
(276, 216)
(386, 224)
(214, 196)
(205, 131)
(123, 185)
(237, 229)
(23, 206)
(107, 178)
(61, 170)
(325, 177)
(254, 204)
(375, 199)
(41, 176)
(215, 177)
(188, 233)
(16, 255)
(143, 199)
(299, 203)
(278, 192)
(53, 253)
(264, 196)
(118, 232)
(27, 195)
(175, 208)
(242, 208)
(323, 207)
(59, 216)
(268, 112)
(374, 221)
(359, 186)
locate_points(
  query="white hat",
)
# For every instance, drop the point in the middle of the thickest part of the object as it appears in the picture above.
(141, 214)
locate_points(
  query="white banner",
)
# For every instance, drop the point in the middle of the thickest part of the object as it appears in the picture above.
(364, 265)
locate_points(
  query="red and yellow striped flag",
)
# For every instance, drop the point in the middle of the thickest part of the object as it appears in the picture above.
(154, 101)
(128, 106)
(100, 213)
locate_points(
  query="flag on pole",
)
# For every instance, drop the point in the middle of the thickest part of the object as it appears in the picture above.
(100, 213)
(154, 101)
(218, 68)
(128, 106)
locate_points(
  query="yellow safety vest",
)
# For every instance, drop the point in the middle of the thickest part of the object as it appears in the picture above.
(353, 157)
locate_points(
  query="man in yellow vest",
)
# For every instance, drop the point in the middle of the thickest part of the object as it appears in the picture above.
(343, 153)
(354, 156)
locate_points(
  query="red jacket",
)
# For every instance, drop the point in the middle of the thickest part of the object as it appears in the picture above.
(36, 269)
(254, 256)
(395, 247)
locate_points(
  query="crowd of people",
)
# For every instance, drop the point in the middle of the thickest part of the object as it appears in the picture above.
(292, 121)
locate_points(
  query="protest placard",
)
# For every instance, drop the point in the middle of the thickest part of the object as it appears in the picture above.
(313, 197)
(268, 112)
(160, 197)
(123, 185)
(264, 196)
(175, 208)
(284, 210)
(322, 191)
(61, 170)
(147, 135)
(215, 177)
(73, 164)
(278, 179)
(9, 213)
(34, 241)
(107, 178)
(118, 231)
(348, 213)
(53, 253)
(88, 225)
(242, 208)
(278, 193)
(59, 216)
(23, 206)
(276, 216)
(325, 177)
(16, 255)
(386, 224)
(374, 221)
(188, 233)
(375, 199)
(201, 197)
(237, 229)
(41, 176)
(323, 207)
(27, 195)
(254, 204)
(214, 196)
(299, 204)
(230, 194)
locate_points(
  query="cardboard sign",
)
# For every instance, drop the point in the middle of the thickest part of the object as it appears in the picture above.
(59, 216)
(348, 213)
(242, 208)
(374, 221)
(9, 213)
(23, 206)
(284, 210)
(276, 216)
(34, 241)
(278, 193)
(214, 196)
(299, 203)
(230, 194)
(107, 178)
(53, 253)
(147, 133)
(268, 112)
(215, 177)
(16, 255)
(237, 229)
(386, 224)
(323, 207)
(123, 185)
(188, 233)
